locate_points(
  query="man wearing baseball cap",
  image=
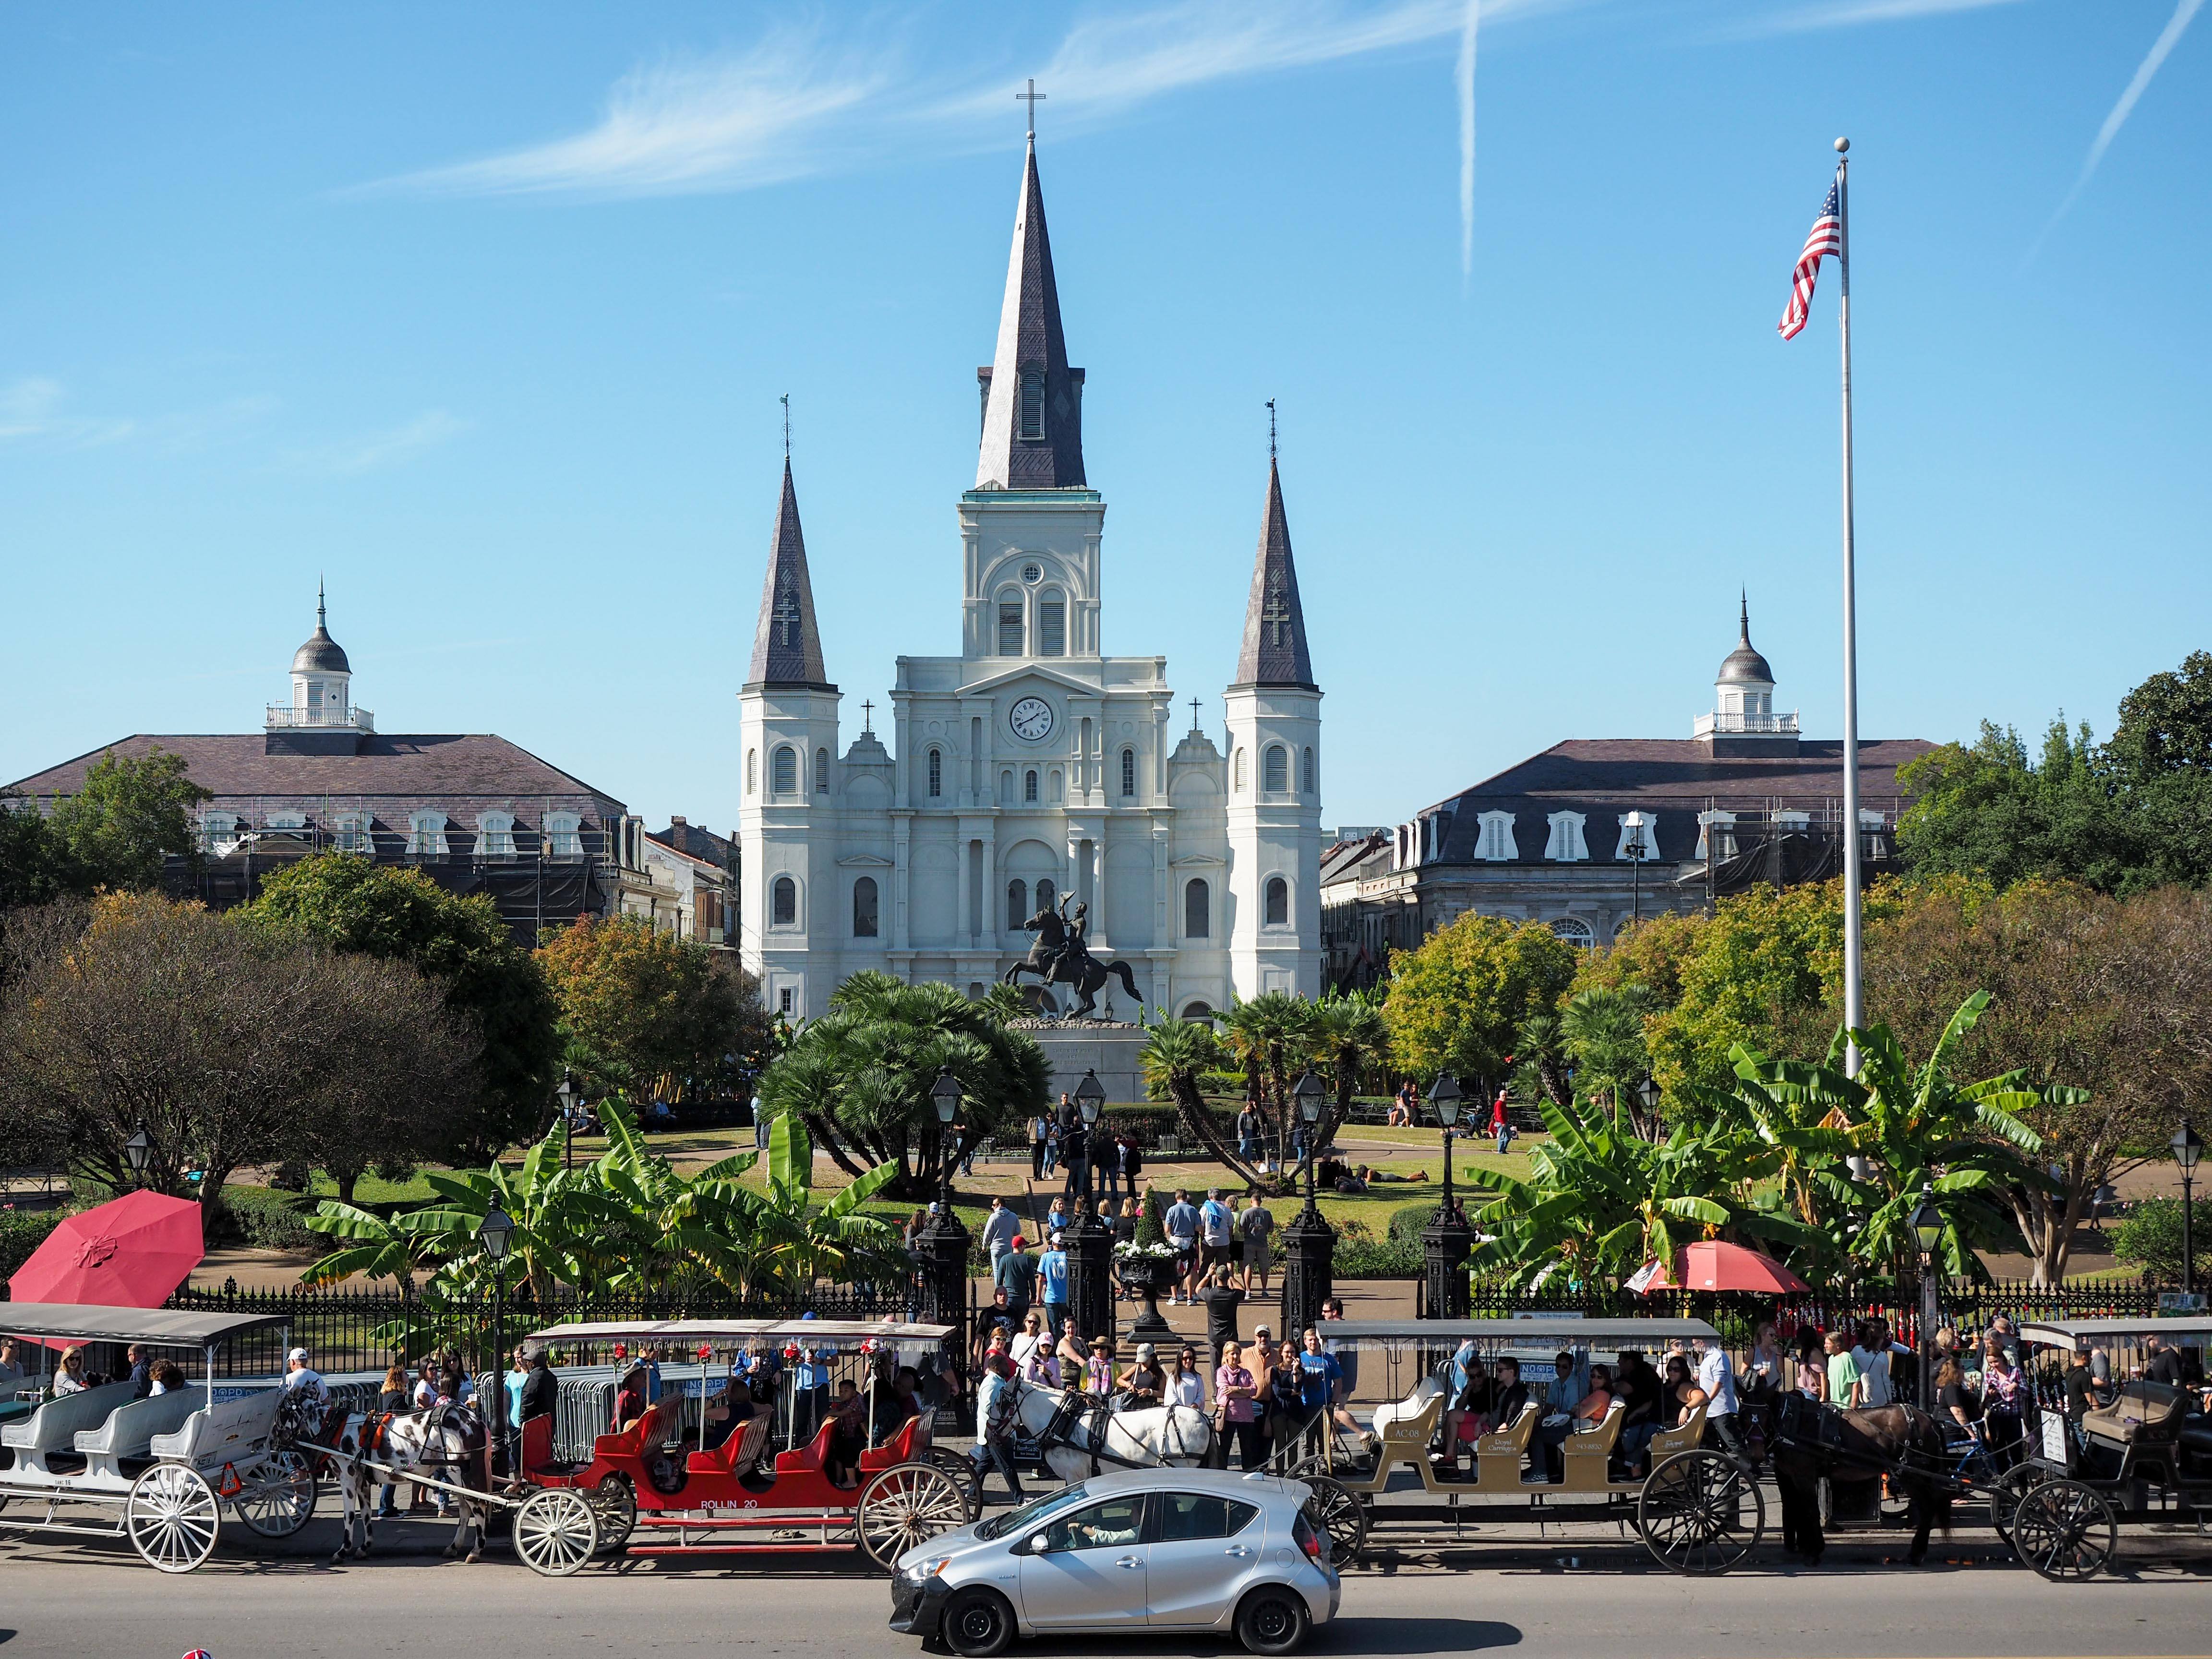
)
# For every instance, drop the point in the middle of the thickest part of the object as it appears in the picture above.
(1016, 1274)
(303, 1379)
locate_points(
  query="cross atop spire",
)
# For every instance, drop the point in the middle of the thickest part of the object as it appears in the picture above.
(1031, 98)
(1270, 431)
(1274, 651)
(1032, 400)
(786, 647)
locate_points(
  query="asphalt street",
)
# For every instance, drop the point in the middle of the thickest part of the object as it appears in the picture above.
(1586, 1596)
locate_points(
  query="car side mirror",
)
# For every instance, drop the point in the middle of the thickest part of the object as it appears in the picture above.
(1039, 1544)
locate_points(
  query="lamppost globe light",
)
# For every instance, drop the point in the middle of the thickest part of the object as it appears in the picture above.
(494, 1231)
(1090, 1096)
(1927, 1221)
(1309, 1091)
(1647, 1093)
(568, 1089)
(2187, 1146)
(1444, 1095)
(945, 1095)
(137, 1149)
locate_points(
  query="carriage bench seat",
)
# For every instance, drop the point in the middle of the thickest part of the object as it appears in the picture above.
(218, 1433)
(130, 1429)
(539, 1463)
(2196, 1436)
(648, 1434)
(737, 1455)
(1686, 1436)
(55, 1426)
(2145, 1411)
(1497, 1454)
(909, 1442)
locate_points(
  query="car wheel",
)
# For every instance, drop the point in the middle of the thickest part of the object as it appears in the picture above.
(1273, 1620)
(978, 1623)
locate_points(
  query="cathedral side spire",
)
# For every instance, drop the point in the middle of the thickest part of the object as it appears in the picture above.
(1274, 651)
(1032, 400)
(786, 647)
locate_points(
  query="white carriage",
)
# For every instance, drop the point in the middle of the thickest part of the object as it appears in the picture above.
(162, 1470)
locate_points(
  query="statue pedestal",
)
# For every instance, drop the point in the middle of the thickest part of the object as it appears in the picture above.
(1110, 1049)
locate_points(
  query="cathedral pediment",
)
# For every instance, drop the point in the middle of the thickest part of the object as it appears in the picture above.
(1189, 859)
(863, 861)
(1031, 670)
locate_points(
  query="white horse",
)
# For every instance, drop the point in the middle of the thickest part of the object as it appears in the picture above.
(1158, 1436)
(385, 1449)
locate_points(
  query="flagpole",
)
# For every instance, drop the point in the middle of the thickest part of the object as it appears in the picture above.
(1854, 943)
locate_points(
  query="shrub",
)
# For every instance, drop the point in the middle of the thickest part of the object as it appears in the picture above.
(268, 1220)
(2150, 1237)
(1360, 1254)
(1407, 1220)
(21, 1232)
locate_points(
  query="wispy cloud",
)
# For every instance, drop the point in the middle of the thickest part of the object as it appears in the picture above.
(1849, 13)
(32, 410)
(386, 448)
(1465, 81)
(2168, 38)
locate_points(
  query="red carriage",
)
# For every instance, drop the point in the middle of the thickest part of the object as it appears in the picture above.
(657, 1490)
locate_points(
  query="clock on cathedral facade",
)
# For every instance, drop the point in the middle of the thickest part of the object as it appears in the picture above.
(1031, 770)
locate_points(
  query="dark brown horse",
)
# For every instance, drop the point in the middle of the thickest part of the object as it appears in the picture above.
(1813, 1442)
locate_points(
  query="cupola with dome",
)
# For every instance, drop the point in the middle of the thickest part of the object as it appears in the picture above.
(320, 719)
(1743, 721)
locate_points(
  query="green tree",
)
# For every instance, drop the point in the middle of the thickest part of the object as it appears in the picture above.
(1602, 1033)
(130, 814)
(1987, 808)
(1455, 1002)
(36, 865)
(2149, 1238)
(1272, 1038)
(1176, 1055)
(637, 1003)
(859, 1078)
(458, 943)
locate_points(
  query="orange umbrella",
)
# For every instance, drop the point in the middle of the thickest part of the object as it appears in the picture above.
(129, 1253)
(1713, 1264)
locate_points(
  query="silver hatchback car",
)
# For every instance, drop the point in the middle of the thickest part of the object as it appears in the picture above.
(1152, 1549)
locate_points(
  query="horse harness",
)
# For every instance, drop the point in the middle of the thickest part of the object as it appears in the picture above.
(1091, 1415)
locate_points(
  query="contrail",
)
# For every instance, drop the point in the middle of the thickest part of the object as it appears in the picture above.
(1468, 33)
(2168, 38)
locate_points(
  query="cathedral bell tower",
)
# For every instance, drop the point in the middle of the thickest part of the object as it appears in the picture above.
(1274, 779)
(787, 725)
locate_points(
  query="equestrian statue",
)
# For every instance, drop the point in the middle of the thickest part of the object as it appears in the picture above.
(1061, 956)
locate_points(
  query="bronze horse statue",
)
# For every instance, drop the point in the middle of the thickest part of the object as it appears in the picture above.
(1051, 961)
(1813, 1443)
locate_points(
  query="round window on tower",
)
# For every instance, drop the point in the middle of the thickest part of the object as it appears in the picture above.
(1032, 572)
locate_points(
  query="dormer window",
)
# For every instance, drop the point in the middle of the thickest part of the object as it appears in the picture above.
(426, 835)
(1716, 835)
(1033, 405)
(1565, 845)
(563, 835)
(1496, 842)
(495, 835)
(1639, 838)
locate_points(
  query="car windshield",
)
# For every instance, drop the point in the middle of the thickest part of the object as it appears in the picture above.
(1032, 1510)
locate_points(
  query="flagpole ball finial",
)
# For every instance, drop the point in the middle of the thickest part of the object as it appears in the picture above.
(1842, 145)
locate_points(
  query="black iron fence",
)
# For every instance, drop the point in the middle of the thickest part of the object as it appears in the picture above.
(348, 1329)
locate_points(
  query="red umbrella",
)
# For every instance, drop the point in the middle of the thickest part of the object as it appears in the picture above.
(129, 1253)
(1712, 1264)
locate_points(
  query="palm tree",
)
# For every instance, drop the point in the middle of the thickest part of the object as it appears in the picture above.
(1271, 1036)
(1540, 1056)
(1346, 1036)
(1176, 1053)
(1602, 1033)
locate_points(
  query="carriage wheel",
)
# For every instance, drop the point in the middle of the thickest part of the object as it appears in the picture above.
(2065, 1530)
(907, 1504)
(1334, 1511)
(614, 1505)
(1701, 1512)
(554, 1532)
(965, 1473)
(277, 1495)
(2006, 1493)
(171, 1516)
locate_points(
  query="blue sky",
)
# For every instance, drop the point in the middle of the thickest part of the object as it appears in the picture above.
(482, 313)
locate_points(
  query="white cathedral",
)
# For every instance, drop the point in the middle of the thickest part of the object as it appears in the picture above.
(1031, 767)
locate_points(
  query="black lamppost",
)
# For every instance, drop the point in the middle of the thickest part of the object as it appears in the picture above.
(943, 1240)
(1635, 851)
(566, 1094)
(1928, 1234)
(135, 1151)
(1308, 1243)
(493, 1233)
(1647, 1096)
(2187, 1149)
(1089, 1241)
(1446, 1241)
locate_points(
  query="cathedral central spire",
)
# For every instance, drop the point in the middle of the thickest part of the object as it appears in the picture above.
(786, 648)
(1274, 651)
(1032, 400)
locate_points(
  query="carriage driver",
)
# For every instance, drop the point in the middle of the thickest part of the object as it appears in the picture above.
(303, 1379)
(1716, 1376)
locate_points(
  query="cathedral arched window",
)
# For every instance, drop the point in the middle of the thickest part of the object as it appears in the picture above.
(1275, 771)
(1275, 904)
(1029, 784)
(1575, 931)
(752, 770)
(1059, 788)
(1199, 1010)
(783, 903)
(783, 773)
(1128, 773)
(1045, 894)
(936, 773)
(864, 908)
(1018, 905)
(1052, 626)
(1033, 405)
(1306, 780)
(1197, 909)
(1240, 771)
(822, 771)
(1007, 788)
(1010, 628)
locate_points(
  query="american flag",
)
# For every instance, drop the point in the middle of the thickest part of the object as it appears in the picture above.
(1827, 237)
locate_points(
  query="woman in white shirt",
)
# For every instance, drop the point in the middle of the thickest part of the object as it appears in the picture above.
(70, 1378)
(1186, 1386)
